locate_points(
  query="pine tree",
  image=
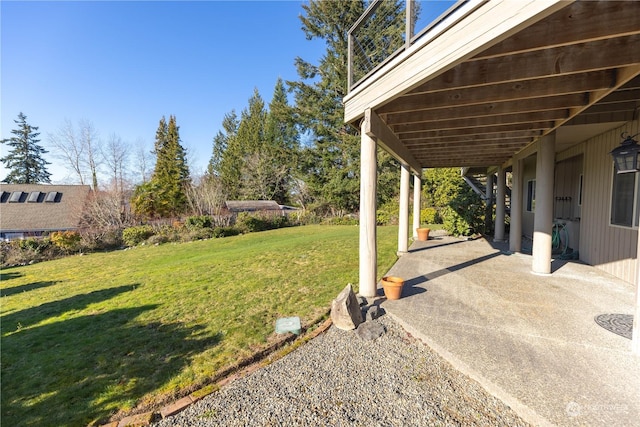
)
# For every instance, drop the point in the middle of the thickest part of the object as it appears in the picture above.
(24, 161)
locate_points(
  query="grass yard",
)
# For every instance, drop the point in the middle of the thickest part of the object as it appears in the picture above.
(87, 336)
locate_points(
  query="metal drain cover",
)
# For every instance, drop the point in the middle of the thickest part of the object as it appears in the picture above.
(621, 324)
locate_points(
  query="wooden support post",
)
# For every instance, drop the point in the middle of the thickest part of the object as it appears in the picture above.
(403, 212)
(417, 193)
(515, 229)
(368, 182)
(543, 216)
(498, 235)
(635, 334)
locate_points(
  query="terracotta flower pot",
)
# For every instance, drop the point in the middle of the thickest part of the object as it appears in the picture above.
(392, 287)
(423, 234)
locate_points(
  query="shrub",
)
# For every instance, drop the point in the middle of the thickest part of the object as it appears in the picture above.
(157, 239)
(199, 222)
(249, 223)
(341, 220)
(307, 217)
(197, 234)
(133, 236)
(225, 232)
(430, 216)
(388, 213)
(68, 241)
(20, 252)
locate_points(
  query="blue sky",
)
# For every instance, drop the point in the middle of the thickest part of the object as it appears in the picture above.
(123, 65)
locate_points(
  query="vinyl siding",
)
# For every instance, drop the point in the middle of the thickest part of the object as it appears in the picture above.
(610, 248)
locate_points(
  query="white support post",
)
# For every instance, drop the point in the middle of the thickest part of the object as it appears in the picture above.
(635, 334)
(543, 215)
(515, 230)
(498, 235)
(403, 220)
(368, 246)
(417, 193)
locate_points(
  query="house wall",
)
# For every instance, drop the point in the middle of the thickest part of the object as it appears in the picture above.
(567, 207)
(610, 248)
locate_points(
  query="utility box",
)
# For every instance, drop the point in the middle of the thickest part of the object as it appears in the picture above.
(288, 324)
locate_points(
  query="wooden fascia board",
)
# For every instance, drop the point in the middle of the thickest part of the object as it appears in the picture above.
(374, 127)
(473, 34)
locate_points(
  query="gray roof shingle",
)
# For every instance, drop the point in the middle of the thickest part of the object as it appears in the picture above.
(41, 207)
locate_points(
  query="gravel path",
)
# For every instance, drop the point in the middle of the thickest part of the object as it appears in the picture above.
(339, 379)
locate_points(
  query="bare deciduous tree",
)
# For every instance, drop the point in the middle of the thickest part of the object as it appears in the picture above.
(78, 150)
(144, 161)
(68, 148)
(115, 153)
(262, 177)
(206, 196)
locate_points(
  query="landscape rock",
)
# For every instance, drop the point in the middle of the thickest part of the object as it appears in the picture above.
(345, 310)
(373, 313)
(370, 330)
(361, 300)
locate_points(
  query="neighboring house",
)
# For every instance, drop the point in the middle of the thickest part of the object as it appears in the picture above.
(33, 210)
(268, 206)
(541, 89)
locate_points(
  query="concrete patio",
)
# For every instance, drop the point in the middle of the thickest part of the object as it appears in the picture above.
(530, 340)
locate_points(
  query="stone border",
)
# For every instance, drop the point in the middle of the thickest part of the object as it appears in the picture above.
(245, 367)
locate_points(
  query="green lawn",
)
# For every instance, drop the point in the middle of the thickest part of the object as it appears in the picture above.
(86, 336)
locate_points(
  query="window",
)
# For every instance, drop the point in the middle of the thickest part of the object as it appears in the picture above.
(33, 197)
(625, 203)
(531, 195)
(15, 197)
(51, 197)
(580, 191)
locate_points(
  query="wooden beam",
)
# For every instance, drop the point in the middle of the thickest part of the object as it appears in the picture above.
(486, 130)
(564, 60)
(497, 108)
(582, 21)
(524, 89)
(414, 148)
(475, 138)
(477, 122)
(376, 128)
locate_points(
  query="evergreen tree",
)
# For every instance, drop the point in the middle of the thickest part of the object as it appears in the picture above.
(249, 148)
(225, 162)
(164, 195)
(282, 139)
(330, 165)
(24, 160)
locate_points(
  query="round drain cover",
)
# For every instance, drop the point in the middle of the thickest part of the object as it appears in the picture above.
(620, 324)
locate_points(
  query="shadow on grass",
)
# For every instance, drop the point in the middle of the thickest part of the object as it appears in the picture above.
(25, 288)
(10, 275)
(82, 370)
(35, 315)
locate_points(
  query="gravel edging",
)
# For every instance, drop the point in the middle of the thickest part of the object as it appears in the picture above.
(339, 379)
